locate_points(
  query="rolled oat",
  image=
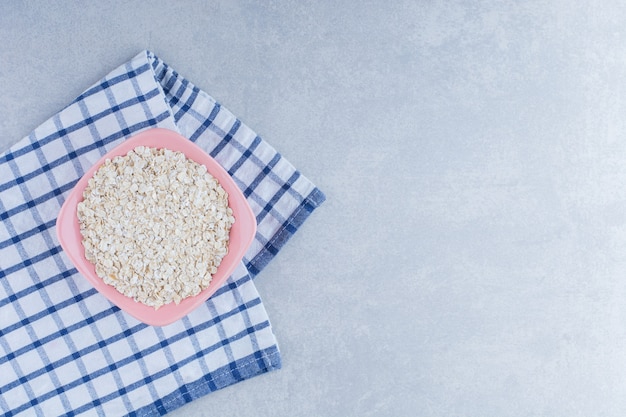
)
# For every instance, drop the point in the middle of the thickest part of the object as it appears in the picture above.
(155, 225)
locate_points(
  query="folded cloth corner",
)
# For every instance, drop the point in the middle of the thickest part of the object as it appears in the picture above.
(64, 348)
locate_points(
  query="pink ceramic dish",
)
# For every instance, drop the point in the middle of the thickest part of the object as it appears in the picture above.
(241, 234)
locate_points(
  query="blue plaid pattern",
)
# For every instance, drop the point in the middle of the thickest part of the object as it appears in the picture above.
(64, 349)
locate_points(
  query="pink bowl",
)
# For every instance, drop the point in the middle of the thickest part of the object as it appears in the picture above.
(241, 234)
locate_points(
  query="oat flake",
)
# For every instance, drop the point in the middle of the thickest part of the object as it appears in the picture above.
(155, 225)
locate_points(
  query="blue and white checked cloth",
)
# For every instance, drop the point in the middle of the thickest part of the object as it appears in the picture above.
(64, 349)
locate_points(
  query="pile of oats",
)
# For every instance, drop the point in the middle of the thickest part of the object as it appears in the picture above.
(155, 225)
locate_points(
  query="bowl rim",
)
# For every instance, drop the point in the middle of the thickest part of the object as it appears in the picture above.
(242, 232)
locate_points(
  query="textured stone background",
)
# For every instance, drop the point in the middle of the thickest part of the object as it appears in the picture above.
(470, 259)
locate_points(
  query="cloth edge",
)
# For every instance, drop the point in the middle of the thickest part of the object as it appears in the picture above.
(315, 198)
(253, 365)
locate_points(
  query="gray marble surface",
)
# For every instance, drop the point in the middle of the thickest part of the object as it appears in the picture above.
(471, 257)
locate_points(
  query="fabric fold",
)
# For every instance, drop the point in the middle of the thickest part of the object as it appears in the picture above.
(63, 347)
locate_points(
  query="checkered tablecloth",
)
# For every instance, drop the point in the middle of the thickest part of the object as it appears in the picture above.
(65, 349)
